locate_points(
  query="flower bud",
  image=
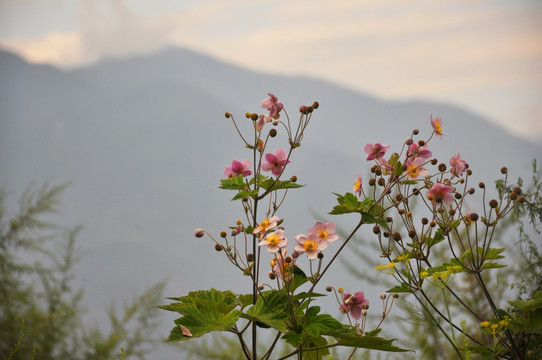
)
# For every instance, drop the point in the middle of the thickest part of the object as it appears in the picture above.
(493, 203)
(521, 199)
(517, 190)
(254, 116)
(260, 287)
(504, 170)
(223, 234)
(389, 219)
(273, 132)
(434, 161)
(442, 167)
(288, 260)
(469, 172)
(329, 288)
(415, 131)
(320, 255)
(457, 195)
(381, 181)
(199, 233)
(473, 216)
(293, 179)
(471, 191)
(401, 211)
(227, 115)
(376, 229)
(248, 115)
(272, 275)
(411, 234)
(396, 236)
(451, 212)
(219, 247)
(340, 290)
(315, 105)
(415, 191)
(395, 295)
(432, 224)
(425, 221)
(421, 142)
(386, 234)
(250, 257)
(513, 196)
(481, 185)
(398, 197)
(383, 296)
(409, 141)
(372, 182)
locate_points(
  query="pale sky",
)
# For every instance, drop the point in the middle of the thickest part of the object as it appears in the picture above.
(485, 56)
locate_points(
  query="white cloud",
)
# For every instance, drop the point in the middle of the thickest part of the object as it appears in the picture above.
(392, 48)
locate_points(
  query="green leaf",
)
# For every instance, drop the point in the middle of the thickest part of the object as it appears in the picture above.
(439, 236)
(315, 342)
(492, 265)
(403, 288)
(528, 305)
(299, 279)
(242, 194)
(348, 336)
(233, 183)
(268, 310)
(271, 184)
(203, 322)
(319, 324)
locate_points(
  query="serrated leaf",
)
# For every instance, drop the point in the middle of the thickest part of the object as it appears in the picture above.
(319, 324)
(347, 336)
(271, 184)
(403, 288)
(268, 310)
(203, 322)
(233, 183)
(242, 194)
(439, 236)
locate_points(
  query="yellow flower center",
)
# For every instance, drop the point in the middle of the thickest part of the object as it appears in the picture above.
(323, 234)
(438, 128)
(272, 239)
(357, 186)
(310, 245)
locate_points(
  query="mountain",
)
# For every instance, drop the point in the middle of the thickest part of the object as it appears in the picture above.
(144, 142)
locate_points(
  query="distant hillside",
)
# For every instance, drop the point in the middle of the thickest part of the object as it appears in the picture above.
(144, 142)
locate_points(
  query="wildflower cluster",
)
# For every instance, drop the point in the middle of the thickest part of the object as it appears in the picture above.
(408, 236)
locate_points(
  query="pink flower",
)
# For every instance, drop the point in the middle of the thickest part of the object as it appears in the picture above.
(310, 245)
(415, 150)
(437, 126)
(237, 168)
(415, 168)
(274, 241)
(458, 165)
(275, 162)
(375, 151)
(357, 185)
(322, 231)
(262, 120)
(272, 104)
(267, 224)
(354, 304)
(441, 193)
(283, 265)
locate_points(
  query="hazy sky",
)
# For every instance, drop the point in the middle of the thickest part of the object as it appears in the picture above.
(483, 55)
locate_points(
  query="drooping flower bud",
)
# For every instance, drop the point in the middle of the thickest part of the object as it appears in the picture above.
(199, 233)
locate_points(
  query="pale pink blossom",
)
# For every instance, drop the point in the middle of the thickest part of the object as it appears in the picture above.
(267, 224)
(436, 123)
(238, 168)
(354, 304)
(274, 241)
(275, 162)
(415, 150)
(262, 120)
(415, 169)
(310, 245)
(458, 165)
(375, 151)
(272, 104)
(357, 186)
(323, 231)
(441, 193)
